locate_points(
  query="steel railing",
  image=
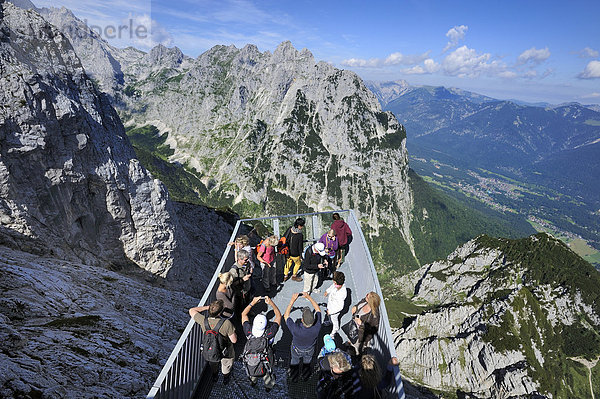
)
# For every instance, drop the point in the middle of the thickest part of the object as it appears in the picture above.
(183, 370)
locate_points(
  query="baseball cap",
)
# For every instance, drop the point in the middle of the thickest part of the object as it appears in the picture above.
(259, 325)
(320, 248)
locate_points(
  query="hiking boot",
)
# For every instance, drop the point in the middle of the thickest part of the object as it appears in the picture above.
(286, 278)
(268, 389)
(252, 383)
(296, 278)
(226, 378)
(215, 377)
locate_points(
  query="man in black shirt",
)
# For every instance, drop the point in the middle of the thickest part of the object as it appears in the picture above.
(262, 328)
(294, 240)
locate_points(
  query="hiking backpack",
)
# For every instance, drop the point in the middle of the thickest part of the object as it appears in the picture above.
(213, 343)
(256, 356)
(283, 247)
(257, 249)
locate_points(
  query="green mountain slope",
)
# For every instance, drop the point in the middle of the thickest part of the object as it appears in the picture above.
(440, 222)
(504, 318)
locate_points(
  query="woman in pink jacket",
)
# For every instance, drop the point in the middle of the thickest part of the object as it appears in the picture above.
(344, 236)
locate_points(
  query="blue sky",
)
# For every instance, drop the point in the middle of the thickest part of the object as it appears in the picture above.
(528, 50)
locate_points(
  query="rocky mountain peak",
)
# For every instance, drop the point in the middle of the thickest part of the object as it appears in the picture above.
(308, 126)
(502, 318)
(165, 57)
(71, 185)
(286, 51)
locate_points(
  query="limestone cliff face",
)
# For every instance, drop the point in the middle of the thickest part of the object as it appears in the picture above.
(502, 318)
(278, 132)
(70, 184)
(70, 330)
(100, 62)
(268, 133)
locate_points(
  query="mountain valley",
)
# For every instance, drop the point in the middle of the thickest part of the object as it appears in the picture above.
(540, 163)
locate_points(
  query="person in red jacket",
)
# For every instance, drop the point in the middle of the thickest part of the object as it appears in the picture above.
(344, 236)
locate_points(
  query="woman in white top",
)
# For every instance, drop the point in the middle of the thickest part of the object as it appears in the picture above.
(336, 295)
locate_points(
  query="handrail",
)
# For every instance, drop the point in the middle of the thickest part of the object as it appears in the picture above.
(178, 381)
(382, 320)
(162, 377)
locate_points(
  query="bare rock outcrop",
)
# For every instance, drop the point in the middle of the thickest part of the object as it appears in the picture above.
(501, 318)
(70, 184)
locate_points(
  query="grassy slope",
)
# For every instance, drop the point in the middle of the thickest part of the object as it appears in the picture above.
(450, 222)
(547, 261)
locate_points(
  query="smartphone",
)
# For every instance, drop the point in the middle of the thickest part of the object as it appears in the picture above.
(301, 294)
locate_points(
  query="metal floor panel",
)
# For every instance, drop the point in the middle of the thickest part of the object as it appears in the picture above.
(239, 386)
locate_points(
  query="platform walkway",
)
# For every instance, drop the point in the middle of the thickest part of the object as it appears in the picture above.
(183, 375)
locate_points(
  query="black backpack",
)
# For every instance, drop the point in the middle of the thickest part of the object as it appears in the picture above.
(213, 343)
(257, 356)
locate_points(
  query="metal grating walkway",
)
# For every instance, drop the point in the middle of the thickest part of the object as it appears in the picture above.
(239, 387)
(183, 375)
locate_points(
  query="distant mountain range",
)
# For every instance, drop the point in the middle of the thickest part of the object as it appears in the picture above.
(557, 147)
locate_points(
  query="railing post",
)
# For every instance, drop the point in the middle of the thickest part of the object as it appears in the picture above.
(316, 232)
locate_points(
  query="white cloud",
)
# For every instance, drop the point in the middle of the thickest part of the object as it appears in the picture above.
(466, 62)
(533, 55)
(455, 35)
(362, 63)
(156, 33)
(392, 59)
(589, 53)
(591, 95)
(401, 59)
(591, 71)
(429, 66)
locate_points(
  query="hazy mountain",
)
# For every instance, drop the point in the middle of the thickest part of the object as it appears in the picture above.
(387, 91)
(539, 162)
(594, 107)
(503, 318)
(482, 132)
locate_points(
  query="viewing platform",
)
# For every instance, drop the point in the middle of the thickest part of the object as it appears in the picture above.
(185, 374)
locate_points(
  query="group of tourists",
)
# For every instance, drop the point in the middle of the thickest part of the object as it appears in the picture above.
(347, 371)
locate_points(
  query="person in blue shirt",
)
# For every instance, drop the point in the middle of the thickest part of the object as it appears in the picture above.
(305, 332)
